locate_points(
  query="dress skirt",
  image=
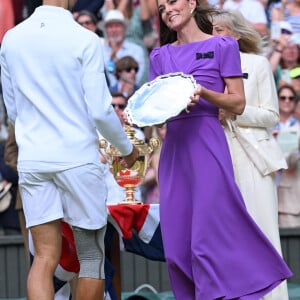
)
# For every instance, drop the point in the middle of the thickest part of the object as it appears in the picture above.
(213, 248)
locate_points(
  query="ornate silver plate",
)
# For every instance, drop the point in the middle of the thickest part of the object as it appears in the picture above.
(158, 100)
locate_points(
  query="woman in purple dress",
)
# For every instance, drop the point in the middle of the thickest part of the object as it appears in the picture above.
(213, 248)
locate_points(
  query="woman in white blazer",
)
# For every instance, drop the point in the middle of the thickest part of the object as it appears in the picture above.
(255, 153)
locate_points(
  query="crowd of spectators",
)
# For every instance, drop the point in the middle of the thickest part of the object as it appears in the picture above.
(128, 30)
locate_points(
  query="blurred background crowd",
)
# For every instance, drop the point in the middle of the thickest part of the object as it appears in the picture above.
(128, 30)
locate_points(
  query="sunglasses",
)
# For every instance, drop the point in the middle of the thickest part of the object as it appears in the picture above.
(85, 23)
(131, 68)
(120, 106)
(290, 98)
(285, 31)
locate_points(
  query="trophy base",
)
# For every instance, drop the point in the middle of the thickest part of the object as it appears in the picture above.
(129, 194)
(131, 202)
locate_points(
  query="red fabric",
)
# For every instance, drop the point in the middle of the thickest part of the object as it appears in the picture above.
(7, 17)
(68, 260)
(129, 216)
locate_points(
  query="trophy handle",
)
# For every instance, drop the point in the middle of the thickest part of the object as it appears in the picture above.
(154, 143)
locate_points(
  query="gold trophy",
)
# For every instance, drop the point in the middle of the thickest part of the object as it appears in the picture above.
(129, 178)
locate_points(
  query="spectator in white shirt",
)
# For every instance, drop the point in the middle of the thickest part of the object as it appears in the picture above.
(253, 11)
(117, 46)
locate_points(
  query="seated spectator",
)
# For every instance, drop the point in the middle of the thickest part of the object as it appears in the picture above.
(253, 11)
(295, 79)
(139, 29)
(287, 133)
(119, 102)
(287, 100)
(126, 69)
(138, 16)
(287, 11)
(117, 46)
(280, 38)
(269, 4)
(89, 21)
(92, 6)
(289, 58)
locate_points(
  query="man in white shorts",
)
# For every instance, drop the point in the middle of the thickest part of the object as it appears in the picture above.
(55, 93)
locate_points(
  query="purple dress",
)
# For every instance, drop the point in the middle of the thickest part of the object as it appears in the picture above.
(213, 248)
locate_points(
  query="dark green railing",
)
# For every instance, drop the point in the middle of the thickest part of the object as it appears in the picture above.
(135, 270)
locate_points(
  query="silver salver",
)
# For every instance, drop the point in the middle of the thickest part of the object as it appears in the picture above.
(158, 100)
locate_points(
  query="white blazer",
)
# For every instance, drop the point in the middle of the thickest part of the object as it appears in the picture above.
(255, 152)
(261, 113)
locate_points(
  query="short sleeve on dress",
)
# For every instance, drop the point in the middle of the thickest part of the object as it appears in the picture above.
(155, 66)
(230, 61)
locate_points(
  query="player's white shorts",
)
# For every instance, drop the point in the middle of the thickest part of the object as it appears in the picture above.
(77, 195)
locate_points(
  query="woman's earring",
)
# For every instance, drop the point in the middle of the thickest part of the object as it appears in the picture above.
(193, 12)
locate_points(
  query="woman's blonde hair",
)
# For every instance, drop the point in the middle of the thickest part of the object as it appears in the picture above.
(249, 39)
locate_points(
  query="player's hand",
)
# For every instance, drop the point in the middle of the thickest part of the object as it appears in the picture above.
(129, 160)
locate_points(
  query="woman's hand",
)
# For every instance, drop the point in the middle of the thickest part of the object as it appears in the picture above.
(196, 96)
(223, 114)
